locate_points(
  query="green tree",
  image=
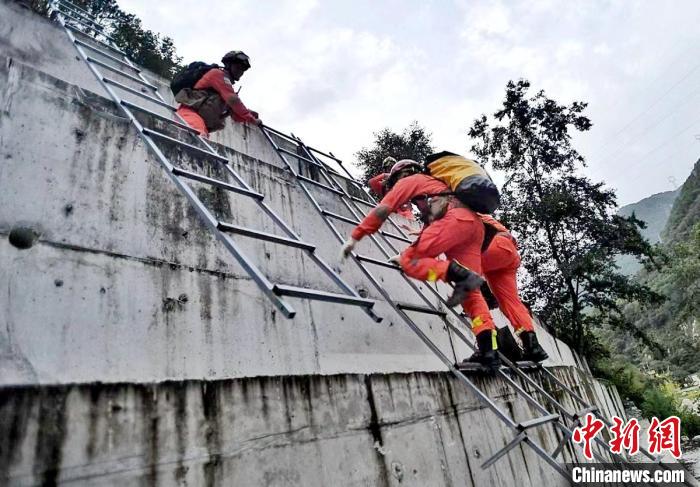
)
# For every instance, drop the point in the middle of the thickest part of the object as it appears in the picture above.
(415, 142)
(145, 47)
(566, 225)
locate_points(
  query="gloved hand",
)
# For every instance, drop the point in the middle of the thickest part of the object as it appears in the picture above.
(348, 247)
(396, 259)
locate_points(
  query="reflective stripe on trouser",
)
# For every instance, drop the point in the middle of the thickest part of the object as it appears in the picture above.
(500, 263)
(457, 236)
(193, 119)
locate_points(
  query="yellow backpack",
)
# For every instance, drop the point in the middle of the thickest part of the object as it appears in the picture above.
(469, 182)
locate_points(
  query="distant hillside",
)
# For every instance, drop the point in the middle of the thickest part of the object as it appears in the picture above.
(686, 209)
(674, 323)
(654, 211)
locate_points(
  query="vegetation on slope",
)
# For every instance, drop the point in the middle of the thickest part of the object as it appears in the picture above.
(145, 47)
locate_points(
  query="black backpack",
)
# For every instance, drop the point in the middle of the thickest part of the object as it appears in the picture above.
(188, 77)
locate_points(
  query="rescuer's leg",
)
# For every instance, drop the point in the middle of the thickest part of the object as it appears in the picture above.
(193, 119)
(501, 262)
(484, 329)
(419, 261)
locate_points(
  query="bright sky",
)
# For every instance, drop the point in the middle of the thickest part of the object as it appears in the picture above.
(334, 72)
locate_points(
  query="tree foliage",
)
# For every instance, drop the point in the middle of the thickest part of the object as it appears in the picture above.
(145, 47)
(565, 223)
(415, 142)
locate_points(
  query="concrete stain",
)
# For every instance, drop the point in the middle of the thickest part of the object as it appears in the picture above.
(376, 432)
(48, 451)
(210, 396)
(15, 409)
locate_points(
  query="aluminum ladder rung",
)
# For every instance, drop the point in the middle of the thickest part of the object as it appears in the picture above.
(165, 119)
(75, 7)
(328, 155)
(419, 308)
(128, 89)
(268, 237)
(193, 148)
(298, 156)
(396, 237)
(378, 262)
(362, 201)
(342, 218)
(216, 182)
(531, 423)
(107, 55)
(318, 184)
(102, 43)
(300, 292)
(352, 221)
(582, 413)
(512, 444)
(109, 67)
(87, 25)
(82, 13)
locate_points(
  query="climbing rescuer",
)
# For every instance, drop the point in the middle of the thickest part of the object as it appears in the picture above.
(499, 262)
(458, 234)
(206, 96)
(378, 186)
(376, 183)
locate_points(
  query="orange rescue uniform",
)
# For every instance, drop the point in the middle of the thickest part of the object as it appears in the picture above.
(215, 80)
(401, 194)
(500, 262)
(459, 235)
(376, 184)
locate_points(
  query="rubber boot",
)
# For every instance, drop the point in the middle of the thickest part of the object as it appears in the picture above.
(532, 351)
(486, 353)
(464, 280)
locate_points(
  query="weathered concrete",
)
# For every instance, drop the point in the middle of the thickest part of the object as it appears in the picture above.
(134, 350)
(416, 429)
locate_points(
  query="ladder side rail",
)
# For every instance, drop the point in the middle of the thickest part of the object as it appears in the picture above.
(210, 221)
(329, 271)
(357, 184)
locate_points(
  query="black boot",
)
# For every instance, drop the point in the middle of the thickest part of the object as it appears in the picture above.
(486, 353)
(464, 281)
(532, 350)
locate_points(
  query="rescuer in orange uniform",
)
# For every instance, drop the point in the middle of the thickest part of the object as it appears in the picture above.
(459, 234)
(499, 263)
(207, 106)
(378, 186)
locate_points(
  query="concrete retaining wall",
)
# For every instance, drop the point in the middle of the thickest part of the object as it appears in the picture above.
(398, 429)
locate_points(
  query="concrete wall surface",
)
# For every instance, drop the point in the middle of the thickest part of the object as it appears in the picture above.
(386, 429)
(134, 350)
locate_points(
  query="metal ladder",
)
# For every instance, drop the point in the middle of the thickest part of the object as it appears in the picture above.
(309, 156)
(78, 24)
